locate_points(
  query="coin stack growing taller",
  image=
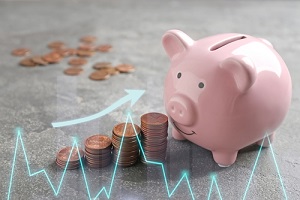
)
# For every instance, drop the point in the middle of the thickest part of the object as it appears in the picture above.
(98, 151)
(127, 154)
(69, 158)
(154, 136)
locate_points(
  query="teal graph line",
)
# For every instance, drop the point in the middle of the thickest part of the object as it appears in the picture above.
(108, 190)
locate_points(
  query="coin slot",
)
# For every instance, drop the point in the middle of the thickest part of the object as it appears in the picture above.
(226, 42)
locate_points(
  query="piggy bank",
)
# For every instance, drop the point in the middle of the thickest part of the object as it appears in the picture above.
(225, 92)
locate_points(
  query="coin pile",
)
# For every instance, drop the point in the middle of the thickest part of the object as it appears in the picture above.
(74, 161)
(98, 151)
(127, 154)
(154, 136)
(87, 48)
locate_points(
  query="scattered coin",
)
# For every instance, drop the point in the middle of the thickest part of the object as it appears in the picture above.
(56, 45)
(86, 47)
(39, 60)
(52, 57)
(99, 75)
(69, 157)
(154, 136)
(82, 53)
(66, 52)
(73, 71)
(102, 65)
(112, 71)
(125, 68)
(27, 62)
(98, 151)
(77, 61)
(88, 39)
(21, 52)
(127, 154)
(104, 48)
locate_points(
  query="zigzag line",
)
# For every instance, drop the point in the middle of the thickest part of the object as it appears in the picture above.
(108, 191)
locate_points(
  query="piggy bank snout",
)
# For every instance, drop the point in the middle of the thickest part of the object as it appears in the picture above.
(181, 109)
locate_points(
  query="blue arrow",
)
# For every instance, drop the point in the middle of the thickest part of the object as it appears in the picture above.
(133, 96)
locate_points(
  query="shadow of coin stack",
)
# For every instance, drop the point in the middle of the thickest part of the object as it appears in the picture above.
(98, 151)
(129, 151)
(154, 136)
(74, 161)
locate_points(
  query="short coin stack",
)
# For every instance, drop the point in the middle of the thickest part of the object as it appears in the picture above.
(130, 149)
(154, 136)
(98, 151)
(64, 154)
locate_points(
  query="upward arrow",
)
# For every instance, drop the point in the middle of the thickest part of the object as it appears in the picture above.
(133, 96)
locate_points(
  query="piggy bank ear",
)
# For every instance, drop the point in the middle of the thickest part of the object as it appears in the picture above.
(242, 70)
(176, 42)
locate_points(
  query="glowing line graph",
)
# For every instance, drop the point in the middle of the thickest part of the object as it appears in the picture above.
(108, 191)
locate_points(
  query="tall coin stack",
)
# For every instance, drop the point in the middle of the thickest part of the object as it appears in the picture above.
(98, 151)
(130, 148)
(154, 136)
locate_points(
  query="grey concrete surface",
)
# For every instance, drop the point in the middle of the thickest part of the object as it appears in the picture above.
(33, 98)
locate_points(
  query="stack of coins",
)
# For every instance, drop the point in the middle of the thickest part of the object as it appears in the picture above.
(129, 151)
(98, 151)
(74, 161)
(154, 136)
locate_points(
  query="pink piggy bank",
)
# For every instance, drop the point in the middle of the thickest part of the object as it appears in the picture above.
(225, 92)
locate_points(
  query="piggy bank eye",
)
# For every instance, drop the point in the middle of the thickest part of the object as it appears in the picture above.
(179, 75)
(201, 85)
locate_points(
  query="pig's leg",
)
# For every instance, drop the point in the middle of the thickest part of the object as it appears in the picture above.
(176, 135)
(266, 142)
(224, 158)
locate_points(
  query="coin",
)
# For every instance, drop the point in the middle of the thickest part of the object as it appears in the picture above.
(124, 140)
(98, 151)
(39, 60)
(73, 71)
(27, 62)
(69, 157)
(101, 65)
(77, 61)
(104, 48)
(125, 68)
(82, 53)
(56, 45)
(21, 52)
(88, 39)
(66, 52)
(52, 57)
(86, 47)
(99, 75)
(112, 71)
(154, 141)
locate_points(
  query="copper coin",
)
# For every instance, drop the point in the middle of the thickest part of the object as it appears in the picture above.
(73, 71)
(99, 75)
(77, 61)
(82, 53)
(88, 39)
(101, 65)
(20, 52)
(86, 47)
(112, 71)
(66, 52)
(56, 45)
(64, 154)
(52, 57)
(129, 132)
(104, 48)
(154, 118)
(98, 142)
(39, 60)
(125, 68)
(27, 62)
